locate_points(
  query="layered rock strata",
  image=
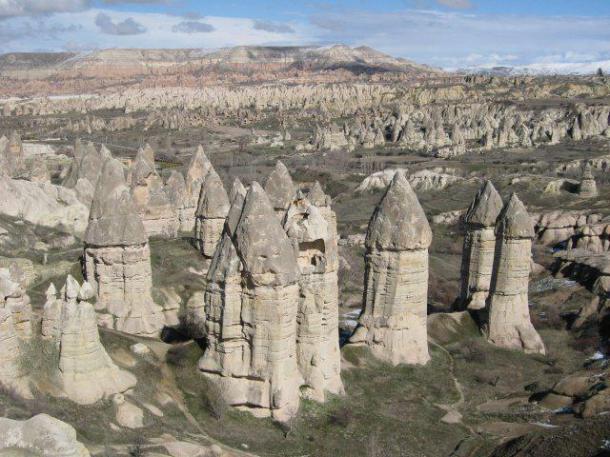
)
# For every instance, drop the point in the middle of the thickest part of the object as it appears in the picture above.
(393, 319)
(158, 214)
(280, 189)
(117, 258)
(251, 304)
(211, 213)
(509, 323)
(315, 244)
(86, 372)
(479, 247)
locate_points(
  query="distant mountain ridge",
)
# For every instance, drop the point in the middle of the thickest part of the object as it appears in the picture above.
(140, 62)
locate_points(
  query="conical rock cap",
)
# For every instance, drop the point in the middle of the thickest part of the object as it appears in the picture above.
(113, 220)
(279, 187)
(486, 207)
(399, 222)
(213, 200)
(514, 221)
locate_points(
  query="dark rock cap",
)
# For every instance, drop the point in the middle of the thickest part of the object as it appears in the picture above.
(261, 243)
(238, 188)
(317, 197)
(485, 207)
(514, 220)
(399, 222)
(213, 199)
(113, 220)
(279, 187)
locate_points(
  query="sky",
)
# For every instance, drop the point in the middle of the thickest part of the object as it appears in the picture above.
(444, 33)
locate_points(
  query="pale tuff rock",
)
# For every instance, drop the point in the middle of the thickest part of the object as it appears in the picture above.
(251, 305)
(43, 204)
(280, 189)
(14, 299)
(40, 436)
(86, 372)
(561, 225)
(197, 170)
(12, 157)
(393, 320)
(86, 166)
(175, 188)
(315, 244)
(117, 258)
(211, 213)
(158, 214)
(127, 414)
(12, 375)
(422, 180)
(479, 247)
(509, 324)
(588, 187)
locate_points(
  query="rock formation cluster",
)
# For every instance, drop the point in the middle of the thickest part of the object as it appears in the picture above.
(86, 372)
(155, 208)
(393, 318)
(251, 306)
(117, 258)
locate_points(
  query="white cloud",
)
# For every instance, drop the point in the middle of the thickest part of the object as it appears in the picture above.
(125, 27)
(192, 27)
(12, 8)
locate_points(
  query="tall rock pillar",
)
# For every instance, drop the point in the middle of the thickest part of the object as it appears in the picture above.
(393, 320)
(117, 258)
(479, 247)
(508, 322)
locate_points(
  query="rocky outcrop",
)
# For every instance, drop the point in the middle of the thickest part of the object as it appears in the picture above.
(508, 323)
(196, 172)
(422, 180)
(479, 247)
(393, 319)
(86, 372)
(155, 208)
(588, 186)
(43, 204)
(40, 436)
(312, 230)
(280, 189)
(85, 170)
(14, 298)
(117, 258)
(251, 303)
(561, 225)
(212, 210)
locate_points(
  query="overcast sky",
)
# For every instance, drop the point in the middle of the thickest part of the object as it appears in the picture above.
(443, 33)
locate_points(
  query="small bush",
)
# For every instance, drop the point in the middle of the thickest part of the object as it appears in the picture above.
(214, 402)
